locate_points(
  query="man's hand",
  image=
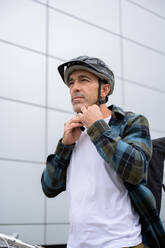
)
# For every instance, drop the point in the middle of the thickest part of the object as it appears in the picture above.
(72, 131)
(89, 115)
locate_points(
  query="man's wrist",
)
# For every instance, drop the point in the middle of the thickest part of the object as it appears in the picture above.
(64, 142)
(63, 150)
(97, 129)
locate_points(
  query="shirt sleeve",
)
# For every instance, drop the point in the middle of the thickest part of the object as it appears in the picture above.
(53, 179)
(127, 153)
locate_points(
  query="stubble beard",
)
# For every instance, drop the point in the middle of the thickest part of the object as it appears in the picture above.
(77, 107)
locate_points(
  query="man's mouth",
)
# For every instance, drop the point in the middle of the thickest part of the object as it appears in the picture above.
(77, 98)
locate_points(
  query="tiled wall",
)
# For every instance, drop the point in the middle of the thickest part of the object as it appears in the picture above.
(35, 37)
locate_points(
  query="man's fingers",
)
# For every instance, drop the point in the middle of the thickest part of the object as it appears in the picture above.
(80, 115)
(74, 119)
(74, 122)
(74, 125)
(84, 108)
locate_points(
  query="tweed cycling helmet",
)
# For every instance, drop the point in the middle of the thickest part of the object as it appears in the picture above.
(93, 65)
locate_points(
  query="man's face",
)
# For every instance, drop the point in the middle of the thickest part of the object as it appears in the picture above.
(83, 87)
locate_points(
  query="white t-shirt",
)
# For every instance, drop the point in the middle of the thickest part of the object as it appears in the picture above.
(101, 215)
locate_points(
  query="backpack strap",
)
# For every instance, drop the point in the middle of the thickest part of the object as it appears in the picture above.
(163, 186)
(161, 146)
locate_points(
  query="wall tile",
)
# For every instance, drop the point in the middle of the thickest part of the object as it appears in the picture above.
(31, 234)
(57, 234)
(22, 200)
(23, 22)
(157, 7)
(143, 65)
(149, 28)
(56, 122)
(117, 96)
(22, 128)
(146, 102)
(22, 74)
(22, 131)
(101, 13)
(57, 209)
(156, 134)
(76, 38)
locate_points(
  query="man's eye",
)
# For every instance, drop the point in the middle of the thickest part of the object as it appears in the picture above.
(84, 79)
(70, 83)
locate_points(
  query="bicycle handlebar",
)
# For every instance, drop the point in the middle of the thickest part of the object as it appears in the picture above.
(11, 241)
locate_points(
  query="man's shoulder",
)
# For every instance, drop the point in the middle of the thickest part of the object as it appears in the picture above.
(119, 113)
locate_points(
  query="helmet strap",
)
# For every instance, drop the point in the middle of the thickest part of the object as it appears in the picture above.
(100, 100)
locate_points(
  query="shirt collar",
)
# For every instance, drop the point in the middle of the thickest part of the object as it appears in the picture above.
(117, 112)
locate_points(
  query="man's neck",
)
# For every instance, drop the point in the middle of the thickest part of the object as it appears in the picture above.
(105, 111)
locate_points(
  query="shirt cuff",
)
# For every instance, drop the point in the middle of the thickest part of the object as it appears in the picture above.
(97, 129)
(64, 151)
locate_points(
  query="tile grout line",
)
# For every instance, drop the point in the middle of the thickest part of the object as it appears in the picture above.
(61, 59)
(30, 49)
(101, 28)
(46, 111)
(136, 4)
(42, 163)
(143, 45)
(144, 86)
(94, 25)
(34, 224)
(21, 161)
(35, 105)
(148, 10)
(121, 54)
(70, 112)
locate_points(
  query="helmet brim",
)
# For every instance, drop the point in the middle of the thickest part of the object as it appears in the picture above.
(73, 68)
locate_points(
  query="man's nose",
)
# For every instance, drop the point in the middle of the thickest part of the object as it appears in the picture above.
(76, 86)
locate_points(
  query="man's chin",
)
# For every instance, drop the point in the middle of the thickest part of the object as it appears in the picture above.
(77, 107)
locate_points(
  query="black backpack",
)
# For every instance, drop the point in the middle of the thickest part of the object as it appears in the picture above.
(156, 170)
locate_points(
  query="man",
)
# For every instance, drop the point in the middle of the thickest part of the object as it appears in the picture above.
(96, 165)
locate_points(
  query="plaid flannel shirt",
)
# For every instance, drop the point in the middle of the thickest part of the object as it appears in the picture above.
(126, 145)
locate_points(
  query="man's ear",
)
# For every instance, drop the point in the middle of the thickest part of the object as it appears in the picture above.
(105, 89)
